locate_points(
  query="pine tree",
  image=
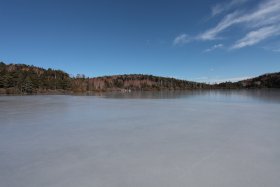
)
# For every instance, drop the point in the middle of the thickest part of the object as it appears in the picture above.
(27, 86)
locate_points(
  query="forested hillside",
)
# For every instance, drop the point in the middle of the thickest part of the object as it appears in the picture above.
(271, 80)
(25, 79)
(20, 78)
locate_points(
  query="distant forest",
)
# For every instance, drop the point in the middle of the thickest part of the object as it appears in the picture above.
(25, 79)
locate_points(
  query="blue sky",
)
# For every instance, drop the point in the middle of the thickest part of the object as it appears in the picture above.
(201, 40)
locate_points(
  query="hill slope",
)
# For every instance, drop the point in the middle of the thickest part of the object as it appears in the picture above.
(25, 79)
(20, 78)
(271, 80)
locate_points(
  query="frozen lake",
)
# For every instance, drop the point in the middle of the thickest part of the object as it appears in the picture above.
(153, 139)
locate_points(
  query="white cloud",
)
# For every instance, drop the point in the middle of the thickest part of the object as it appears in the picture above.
(233, 79)
(220, 80)
(181, 39)
(267, 13)
(223, 7)
(212, 33)
(257, 36)
(203, 78)
(214, 47)
(259, 23)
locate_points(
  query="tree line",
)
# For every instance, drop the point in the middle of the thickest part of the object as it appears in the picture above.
(26, 79)
(20, 78)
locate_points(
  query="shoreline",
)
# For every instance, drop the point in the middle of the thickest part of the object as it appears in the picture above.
(100, 93)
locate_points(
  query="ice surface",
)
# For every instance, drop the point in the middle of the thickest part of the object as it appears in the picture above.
(152, 139)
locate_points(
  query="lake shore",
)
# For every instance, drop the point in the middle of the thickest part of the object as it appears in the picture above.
(5, 92)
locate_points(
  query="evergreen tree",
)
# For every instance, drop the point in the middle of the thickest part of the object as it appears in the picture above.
(27, 86)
